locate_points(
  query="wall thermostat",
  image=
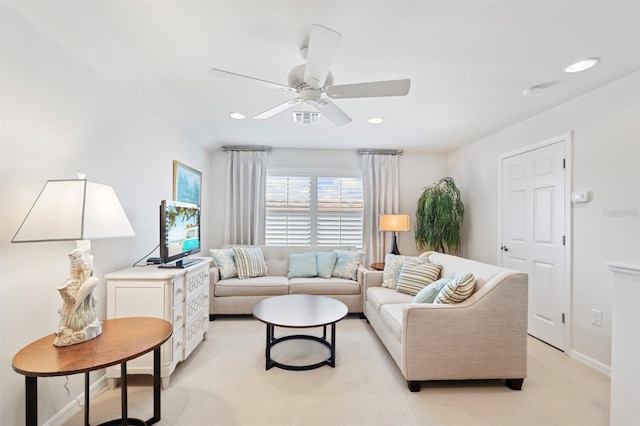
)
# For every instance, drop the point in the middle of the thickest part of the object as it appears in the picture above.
(580, 197)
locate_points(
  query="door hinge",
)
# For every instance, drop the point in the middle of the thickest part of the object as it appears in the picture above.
(564, 163)
(563, 240)
(563, 317)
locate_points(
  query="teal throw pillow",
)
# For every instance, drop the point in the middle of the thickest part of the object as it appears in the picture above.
(326, 261)
(225, 262)
(302, 265)
(346, 264)
(429, 293)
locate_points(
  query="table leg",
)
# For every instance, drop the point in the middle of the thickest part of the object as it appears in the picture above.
(156, 387)
(267, 354)
(86, 399)
(123, 393)
(31, 401)
(332, 359)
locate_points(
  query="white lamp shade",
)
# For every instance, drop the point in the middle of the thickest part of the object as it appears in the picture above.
(393, 222)
(74, 210)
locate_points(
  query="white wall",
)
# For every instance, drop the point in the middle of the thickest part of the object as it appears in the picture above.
(606, 161)
(56, 117)
(417, 170)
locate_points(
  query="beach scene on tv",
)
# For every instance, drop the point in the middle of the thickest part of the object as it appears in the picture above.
(182, 224)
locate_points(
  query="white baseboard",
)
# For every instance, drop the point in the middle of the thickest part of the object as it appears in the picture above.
(72, 408)
(596, 365)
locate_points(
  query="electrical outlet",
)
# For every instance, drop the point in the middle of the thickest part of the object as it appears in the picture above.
(596, 317)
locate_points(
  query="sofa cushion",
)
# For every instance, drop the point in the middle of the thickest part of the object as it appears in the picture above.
(416, 275)
(378, 296)
(302, 265)
(346, 264)
(325, 261)
(250, 262)
(429, 293)
(457, 290)
(391, 317)
(261, 286)
(323, 286)
(225, 262)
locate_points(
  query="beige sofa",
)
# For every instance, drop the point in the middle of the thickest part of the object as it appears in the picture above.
(484, 337)
(234, 296)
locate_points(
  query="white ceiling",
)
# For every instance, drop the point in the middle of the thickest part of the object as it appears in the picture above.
(468, 61)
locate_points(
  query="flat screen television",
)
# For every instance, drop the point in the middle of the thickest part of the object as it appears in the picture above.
(179, 233)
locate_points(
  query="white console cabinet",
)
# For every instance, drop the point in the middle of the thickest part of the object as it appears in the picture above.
(180, 296)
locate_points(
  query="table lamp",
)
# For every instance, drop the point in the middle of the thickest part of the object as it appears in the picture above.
(76, 210)
(394, 223)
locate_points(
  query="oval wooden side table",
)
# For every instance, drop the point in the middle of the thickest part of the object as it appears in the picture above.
(122, 339)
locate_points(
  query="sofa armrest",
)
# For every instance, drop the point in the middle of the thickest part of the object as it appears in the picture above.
(483, 337)
(372, 279)
(214, 274)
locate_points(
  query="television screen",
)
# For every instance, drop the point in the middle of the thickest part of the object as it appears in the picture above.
(179, 231)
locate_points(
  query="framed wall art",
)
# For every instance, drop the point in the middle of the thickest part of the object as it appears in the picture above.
(187, 183)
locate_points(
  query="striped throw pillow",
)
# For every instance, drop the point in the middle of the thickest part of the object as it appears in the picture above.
(249, 262)
(416, 275)
(457, 290)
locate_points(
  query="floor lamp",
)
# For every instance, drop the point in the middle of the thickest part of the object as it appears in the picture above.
(394, 223)
(76, 210)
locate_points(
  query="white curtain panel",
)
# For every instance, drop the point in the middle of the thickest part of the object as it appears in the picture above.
(245, 210)
(380, 186)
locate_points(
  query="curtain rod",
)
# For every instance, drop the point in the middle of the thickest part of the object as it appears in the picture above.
(247, 148)
(380, 151)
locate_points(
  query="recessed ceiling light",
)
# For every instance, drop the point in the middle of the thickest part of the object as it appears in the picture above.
(375, 120)
(582, 65)
(237, 115)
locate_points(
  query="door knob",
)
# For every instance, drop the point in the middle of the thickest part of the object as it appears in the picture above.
(504, 248)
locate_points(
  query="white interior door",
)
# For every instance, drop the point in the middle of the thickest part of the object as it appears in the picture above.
(533, 234)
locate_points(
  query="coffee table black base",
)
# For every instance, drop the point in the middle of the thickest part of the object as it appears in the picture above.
(272, 341)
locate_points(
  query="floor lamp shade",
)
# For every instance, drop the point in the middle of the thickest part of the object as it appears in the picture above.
(394, 223)
(70, 210)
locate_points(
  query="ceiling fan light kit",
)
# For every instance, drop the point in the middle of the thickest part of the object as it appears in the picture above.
(313, 81)
(305, 117)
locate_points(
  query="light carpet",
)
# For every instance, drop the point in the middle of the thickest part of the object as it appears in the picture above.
(224, 382)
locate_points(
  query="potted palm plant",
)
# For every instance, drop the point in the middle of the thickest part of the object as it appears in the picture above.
(439, 217)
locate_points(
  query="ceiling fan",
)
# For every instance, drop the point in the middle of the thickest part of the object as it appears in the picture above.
(313, 80)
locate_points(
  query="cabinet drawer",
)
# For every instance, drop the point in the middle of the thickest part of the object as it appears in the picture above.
(197, 280)
(194, 331)
(195, 304)
(177, 349)
(178, 316)
(178, 290)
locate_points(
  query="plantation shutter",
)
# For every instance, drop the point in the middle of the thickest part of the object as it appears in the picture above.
(339, 212)
(288, 211)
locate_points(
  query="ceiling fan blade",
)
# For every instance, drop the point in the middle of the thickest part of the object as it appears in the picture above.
(332, 112)
(277, 109)
(323, 46)
(233, 75)
(372, 89)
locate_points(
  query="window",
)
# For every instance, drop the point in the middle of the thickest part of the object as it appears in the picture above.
(314, 208)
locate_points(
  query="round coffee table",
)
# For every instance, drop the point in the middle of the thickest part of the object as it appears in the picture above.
(300, 311)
